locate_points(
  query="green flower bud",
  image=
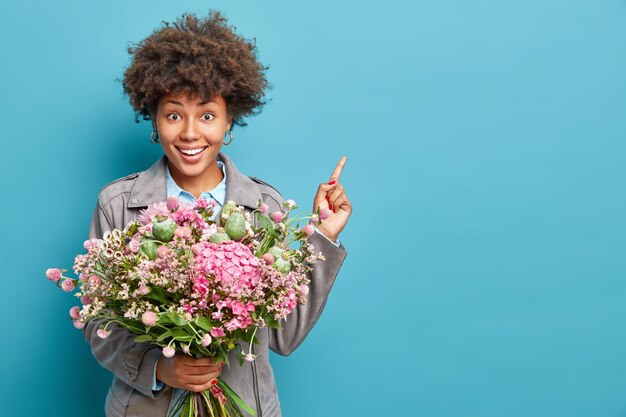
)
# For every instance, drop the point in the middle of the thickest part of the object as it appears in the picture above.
(149, 248)
(275, 251)
(235, 226)
(228, 208)
(163, 230)
(219, 237)
(282, 265)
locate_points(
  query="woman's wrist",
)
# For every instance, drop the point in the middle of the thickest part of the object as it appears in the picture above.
(331, 239)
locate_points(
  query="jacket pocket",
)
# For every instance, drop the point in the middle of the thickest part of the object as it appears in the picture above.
(117, 399)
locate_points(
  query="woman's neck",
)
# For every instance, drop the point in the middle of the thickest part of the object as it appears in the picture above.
(196, 185)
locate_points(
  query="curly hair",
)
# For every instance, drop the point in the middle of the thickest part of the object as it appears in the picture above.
(197, 57)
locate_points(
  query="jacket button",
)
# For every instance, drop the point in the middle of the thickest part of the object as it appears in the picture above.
(135, 199)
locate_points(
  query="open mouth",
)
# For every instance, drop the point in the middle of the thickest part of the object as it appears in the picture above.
(191, 151)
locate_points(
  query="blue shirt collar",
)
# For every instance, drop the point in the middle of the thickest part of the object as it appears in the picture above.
(218, 193)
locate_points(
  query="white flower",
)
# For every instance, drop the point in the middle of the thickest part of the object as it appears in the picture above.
(206, 340)
(289, 204)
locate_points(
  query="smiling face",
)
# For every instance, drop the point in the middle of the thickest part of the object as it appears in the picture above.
(192, 132)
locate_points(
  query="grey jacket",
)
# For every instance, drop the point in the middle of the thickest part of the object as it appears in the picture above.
(132, 364)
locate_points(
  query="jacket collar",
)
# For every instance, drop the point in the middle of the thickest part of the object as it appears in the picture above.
(150, 186)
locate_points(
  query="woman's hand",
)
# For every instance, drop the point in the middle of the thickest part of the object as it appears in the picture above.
(192, 374)
(332, 196)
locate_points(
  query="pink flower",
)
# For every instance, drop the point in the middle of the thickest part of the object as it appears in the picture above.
(168, 351)
(149, 318)
(237, 307)
(217, 332)
(249, 357)
(84, 300)
(163, 251)
(276, 216)
(324, 213)
(133, 245)
(68, 285)
(183, 232)
(268, 258)
(186, 349)
(264, 208)
(206, 340)
(53, 274)
(315, 219)
(172, 203)
(233, 324)
(74, 312)
(103, 334)
(78, 324)
(155, 209)
(201, 203)
(188, 316)
(143, 290)
(88, 244)
(196, 249)
(95, 280)
(308, 229)
(232, 264)
(304, 289)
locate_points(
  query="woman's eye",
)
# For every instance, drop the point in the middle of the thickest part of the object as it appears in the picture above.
(208, 116)
(173, 116)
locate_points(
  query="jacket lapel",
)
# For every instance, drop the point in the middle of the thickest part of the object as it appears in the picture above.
(150, 186)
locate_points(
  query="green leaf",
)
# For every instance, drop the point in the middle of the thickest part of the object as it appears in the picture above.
(176, 334)
(225, 356)
(264, 221)
(164, 336)
(272, 322)
(172, 318)
(239, 353)
(232, 394)
(204, 323)
(144, 338)
(157, 294)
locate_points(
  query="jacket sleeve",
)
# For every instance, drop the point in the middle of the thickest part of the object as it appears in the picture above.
(302, 319)
(129, 361)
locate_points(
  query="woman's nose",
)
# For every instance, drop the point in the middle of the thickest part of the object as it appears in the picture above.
(190, 130)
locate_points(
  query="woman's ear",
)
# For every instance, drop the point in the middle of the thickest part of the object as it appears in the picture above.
(230, 123)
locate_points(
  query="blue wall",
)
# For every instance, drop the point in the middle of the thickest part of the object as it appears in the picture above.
(486, 164)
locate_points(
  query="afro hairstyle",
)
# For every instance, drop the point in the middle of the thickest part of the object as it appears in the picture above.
(198, 57)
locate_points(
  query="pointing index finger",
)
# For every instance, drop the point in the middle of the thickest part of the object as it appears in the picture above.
(337, 172)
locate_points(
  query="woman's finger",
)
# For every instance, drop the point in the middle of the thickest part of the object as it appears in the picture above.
(342, 203)
(191, 361)
(332, 196)
(322, 192)
(337, 171)
(201, 387)
(200, 370)
(198, 379)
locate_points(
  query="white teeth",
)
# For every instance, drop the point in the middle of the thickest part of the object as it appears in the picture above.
(191, 151)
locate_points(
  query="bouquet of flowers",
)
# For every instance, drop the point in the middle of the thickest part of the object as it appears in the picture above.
(179, 280)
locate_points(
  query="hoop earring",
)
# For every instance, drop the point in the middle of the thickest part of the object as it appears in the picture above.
(231, 138)
(154, 136)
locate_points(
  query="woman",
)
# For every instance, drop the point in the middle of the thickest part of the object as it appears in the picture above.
(194, 79)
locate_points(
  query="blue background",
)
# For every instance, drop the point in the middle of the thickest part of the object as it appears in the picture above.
(486, 165)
